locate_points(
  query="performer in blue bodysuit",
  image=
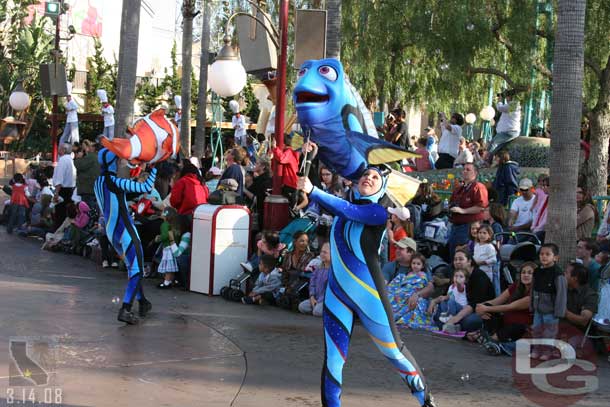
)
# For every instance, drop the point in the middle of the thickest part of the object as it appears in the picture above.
(333, 114)
(110, 193)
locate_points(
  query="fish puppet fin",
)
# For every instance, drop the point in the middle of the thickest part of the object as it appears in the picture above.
(377, 151)
(119, 146)
(401, 188)
(369, 124)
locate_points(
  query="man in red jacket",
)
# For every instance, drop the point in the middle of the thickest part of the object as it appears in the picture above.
(188, 192)
(287, 168)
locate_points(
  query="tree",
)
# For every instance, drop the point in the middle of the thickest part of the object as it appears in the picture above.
(202, 94)
(24, 44)
(100, 75)
(597, 93)
(128, 62)
(188, 14)
(566, 113)
(333, 34)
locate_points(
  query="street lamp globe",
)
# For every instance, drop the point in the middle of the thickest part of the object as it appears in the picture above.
(487, 113)
(227, 76)
(470, 118)
(19, 99)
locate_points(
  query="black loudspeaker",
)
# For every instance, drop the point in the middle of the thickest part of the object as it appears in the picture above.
(53, 80)
(258, 52)
(310, 36)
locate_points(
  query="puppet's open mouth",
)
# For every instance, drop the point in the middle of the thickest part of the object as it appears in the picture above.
(308, 97)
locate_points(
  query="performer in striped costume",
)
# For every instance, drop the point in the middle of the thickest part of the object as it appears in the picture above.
(110, 193)
(356, 286)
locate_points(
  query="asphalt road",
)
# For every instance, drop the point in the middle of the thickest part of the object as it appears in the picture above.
(194, 350)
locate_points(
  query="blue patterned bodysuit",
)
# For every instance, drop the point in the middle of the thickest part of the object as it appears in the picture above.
(356, 286)
(121, 232)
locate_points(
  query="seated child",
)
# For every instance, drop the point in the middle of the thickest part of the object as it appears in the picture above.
(444, 307)
(269, 244)
(267, 284)
(317, 283)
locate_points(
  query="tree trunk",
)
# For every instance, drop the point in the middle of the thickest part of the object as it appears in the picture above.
(597, 166)
(202, 95)
(188, 12)
(565, 121)
(128, 63)
(333, 31)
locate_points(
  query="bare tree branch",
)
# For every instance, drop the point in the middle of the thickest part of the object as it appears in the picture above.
(491, 71)
(546, 72)
(594, 67)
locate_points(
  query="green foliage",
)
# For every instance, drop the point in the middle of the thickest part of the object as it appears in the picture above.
(23, 47)
(100, 75)
(171, 82)
(252, 109)
(149, 94)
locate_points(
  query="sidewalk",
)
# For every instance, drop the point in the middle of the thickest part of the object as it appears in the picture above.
(194, 350)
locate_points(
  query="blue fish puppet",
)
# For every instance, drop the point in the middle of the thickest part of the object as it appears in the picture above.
(330, 109)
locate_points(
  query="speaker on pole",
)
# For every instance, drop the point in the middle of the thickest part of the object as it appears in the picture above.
(310, 36)
(53, 80)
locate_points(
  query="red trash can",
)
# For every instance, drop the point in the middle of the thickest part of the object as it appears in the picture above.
(276, 212)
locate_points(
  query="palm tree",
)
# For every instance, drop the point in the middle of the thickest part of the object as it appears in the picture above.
(566, 112)
(333, 31)
(188, 14)
(202, 95)
(128, 63)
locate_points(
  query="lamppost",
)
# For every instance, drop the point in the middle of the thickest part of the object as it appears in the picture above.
(220, 78)
(469, 119)
(19, 99)
(487, 114)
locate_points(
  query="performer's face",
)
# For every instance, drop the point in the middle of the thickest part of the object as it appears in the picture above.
(370, 182)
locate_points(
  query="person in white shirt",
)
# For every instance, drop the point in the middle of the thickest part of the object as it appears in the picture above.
(448, 146)
(521, 214)
(464, 156)
(178, 115)
(64, 181)
(239, 124)
(70, 134)
(508, 127)
(108, 113)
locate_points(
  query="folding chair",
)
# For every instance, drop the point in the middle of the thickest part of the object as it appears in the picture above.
(599, 326)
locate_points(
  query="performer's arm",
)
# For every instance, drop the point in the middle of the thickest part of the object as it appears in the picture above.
(370, 214)
(134, 186)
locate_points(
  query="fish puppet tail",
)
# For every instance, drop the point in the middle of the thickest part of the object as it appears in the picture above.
(122, 147)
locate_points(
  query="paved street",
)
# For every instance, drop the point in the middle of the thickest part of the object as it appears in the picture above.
(198, 351)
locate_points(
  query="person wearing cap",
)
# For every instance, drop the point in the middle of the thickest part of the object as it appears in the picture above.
(108, 113)
(466, 205)
(520, 216)
(398, 227)
(70, 134)
(213, 177)
(403, 249)
(226, 193)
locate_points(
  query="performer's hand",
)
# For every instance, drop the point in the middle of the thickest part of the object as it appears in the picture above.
(305, 185)
(309, 146)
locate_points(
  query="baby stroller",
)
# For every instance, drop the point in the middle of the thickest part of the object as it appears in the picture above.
(306, 224)
(432, 239)
(236, 288)
(518, 248)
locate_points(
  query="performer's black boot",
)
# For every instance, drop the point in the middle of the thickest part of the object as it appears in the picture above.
(429, 402)
(144, 307)
(125, 315)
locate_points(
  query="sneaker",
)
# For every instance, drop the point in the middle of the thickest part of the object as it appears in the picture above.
(444, 317)
(105, 264)
(114, 265)
(164, 286)
(127, 317)
(146, 271)
(247, 300)
(493, 348)
(246, 266)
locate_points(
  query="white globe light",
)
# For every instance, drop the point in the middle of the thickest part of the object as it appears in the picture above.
(227, 77)
(470, 118)
(19, 100)
(487, 113)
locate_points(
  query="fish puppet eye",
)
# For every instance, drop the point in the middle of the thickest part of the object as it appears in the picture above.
(302, 72)
(328, 72)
